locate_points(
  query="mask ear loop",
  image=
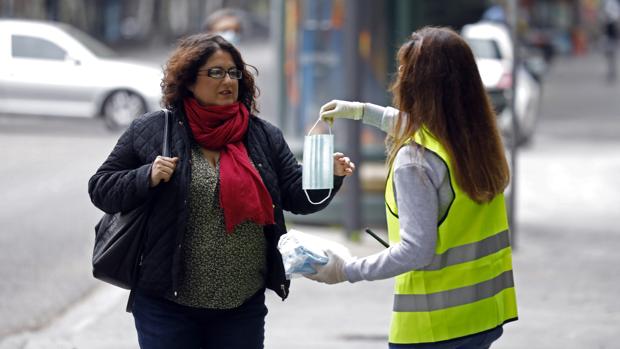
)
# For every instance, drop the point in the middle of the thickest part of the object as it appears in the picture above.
(330, 190)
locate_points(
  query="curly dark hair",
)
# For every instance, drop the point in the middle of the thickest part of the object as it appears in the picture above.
(190, 55)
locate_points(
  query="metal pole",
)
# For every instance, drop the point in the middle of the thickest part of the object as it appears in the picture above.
(353, 191)
(277, 37)
(514, 139)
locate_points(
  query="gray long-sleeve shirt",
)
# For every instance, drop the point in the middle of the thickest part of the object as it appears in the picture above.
(423, 194)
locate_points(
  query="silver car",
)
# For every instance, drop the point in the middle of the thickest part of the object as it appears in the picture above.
(49, 68)
(492, 46)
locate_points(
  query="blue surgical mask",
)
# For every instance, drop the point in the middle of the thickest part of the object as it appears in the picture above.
(230, 36)
(318, 163)
(300, 253)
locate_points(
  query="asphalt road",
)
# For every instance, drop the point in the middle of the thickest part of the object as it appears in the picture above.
(47, 218)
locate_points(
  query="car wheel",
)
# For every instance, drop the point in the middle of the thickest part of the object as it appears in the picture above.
(121, 107)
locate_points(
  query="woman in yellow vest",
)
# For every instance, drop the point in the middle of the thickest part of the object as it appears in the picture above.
(449, 240)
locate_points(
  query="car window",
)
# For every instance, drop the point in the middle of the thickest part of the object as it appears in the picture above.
(23, 46)
(97, 48)
(484, 48)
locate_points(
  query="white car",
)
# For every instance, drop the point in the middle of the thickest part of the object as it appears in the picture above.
(49, 68)
(492, 46)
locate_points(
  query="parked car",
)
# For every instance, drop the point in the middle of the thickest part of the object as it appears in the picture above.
(49, 68)
(492, 46)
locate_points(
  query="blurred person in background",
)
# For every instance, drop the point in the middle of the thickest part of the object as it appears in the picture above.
(449, 247)
(226, 22)
(216, 203)
(495, 13)
(610, 18)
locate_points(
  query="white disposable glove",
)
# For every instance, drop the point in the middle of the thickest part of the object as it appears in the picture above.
(337, 109)
(332, 272)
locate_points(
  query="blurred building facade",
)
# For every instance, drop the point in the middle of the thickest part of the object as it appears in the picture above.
(560, 26)
(131, 22)
(315, 36)
(315, 48)
(567, 25)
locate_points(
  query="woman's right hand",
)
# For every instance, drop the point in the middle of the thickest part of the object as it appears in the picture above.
(337, 109)
(162, 169)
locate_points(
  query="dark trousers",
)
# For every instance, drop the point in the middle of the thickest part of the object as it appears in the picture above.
(480, 340)
(163, 324)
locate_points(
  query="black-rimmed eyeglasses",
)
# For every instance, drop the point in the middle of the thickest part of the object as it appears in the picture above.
(220, 73)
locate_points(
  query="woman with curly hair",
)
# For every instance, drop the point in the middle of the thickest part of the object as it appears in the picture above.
(216, 202)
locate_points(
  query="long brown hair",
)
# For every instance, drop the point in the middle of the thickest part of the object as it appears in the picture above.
(439, 88)
(190, 55)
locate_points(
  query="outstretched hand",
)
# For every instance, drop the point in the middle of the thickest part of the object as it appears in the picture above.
(343, 166)
(341, 109)
(332, 272)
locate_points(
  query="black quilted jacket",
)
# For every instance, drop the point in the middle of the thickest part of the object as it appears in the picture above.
(122, 183)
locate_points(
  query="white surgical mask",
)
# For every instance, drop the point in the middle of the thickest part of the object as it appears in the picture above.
(318, 163)
(230, 36)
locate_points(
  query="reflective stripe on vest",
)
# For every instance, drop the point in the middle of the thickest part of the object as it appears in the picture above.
(452, 298)
(470, 252)
(468, 286)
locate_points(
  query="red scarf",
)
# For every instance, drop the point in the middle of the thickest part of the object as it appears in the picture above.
(243, 195)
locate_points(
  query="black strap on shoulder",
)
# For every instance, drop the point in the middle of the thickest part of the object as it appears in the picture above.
(166, 141)
(164, 152)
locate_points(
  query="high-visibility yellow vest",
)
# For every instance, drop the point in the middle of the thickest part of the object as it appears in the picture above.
(468, 287)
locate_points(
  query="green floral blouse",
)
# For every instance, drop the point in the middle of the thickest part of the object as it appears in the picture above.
(221, 270)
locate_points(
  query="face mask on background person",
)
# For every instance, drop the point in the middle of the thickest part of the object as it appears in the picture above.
(230, 35)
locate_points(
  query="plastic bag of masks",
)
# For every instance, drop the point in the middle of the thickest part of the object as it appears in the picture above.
(300, 251)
